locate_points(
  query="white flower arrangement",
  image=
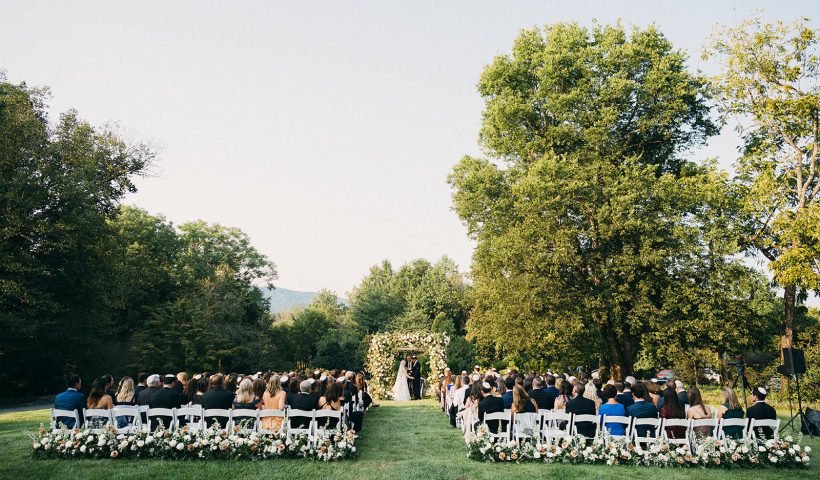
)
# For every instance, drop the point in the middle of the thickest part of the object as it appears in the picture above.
(605, 450)
(211, 443)
(384, 346)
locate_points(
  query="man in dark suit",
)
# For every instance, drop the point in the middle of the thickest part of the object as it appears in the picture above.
(142, 378)
(507, 397)
(304, 400)
(489, 404)
(624, 396)
(71, 399)
(580, 405)
(166, 397)
(415, 372)
(551, 390)
(153, 387)
(217, 397)
(640, 408)
(683, 399)
(541, 397)
(761, 411)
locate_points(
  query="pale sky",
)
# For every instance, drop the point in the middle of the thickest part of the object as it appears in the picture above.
(325, 130)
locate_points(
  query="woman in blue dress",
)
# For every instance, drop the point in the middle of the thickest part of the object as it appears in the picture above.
(612, 408)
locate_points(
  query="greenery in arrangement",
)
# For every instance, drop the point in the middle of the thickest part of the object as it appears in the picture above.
(384, 347)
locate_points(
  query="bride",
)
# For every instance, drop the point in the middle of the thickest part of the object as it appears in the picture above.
(401, 391)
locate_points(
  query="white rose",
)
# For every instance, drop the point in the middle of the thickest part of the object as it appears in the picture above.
(140, 443)
(807, 449)
(180, 446)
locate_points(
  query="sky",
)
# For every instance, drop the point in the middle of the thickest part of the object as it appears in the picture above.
(324, 130)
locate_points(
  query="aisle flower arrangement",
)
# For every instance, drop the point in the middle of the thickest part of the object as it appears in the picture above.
(384, 347)
(211, 443)
(606, 450)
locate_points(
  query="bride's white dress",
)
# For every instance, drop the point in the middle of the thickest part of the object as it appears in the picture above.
(401, 391)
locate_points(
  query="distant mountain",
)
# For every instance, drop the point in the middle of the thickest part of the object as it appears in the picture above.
(282, 299)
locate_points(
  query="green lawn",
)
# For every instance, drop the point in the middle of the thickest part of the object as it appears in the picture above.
(407, 441)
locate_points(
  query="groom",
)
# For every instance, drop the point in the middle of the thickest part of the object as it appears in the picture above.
(414, 377)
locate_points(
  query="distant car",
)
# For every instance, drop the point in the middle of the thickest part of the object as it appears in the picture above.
(663, 376)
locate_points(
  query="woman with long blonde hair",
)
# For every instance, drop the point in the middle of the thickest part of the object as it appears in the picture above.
(273, 399)
(591, 393)
(730, 408)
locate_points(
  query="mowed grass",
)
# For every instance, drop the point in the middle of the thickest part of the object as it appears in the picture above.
(412, 440)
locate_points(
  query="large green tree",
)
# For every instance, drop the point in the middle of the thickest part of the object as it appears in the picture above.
(587, 217)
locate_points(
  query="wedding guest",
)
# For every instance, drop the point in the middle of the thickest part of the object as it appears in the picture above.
(613, 408)
(522, 403)
(303, 400)
(109, 385)
(153, 382)
(652, 393)
(598, 384)
(624, 396)
(231, 383)
(641, 408)
(454, 392)
(98, 398)
(507, 396)
(672, 409)
(566, 392)
(201, 388)
(682, 396)
(551, 389)
(142, 378)
(332, 400)
(489, 403)
(125, 394)
(167, 397)
(364, 395)
(730, 408)
(761, 411)
(245, 397)
(698, 410)
(581, 404)
(591, 393)
(273, 399)
(217, 398)
(541, 397)
(71, 399)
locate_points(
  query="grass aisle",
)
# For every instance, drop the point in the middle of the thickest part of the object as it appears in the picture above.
(411, 440)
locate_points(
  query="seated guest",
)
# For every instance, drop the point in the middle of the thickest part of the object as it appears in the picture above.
(642, 409)
(522, 403)
(167, 397)
(142, 378)
(761, 411)
(109, 385)
(544, 400)
(507, 396)
(146, 394)
(273, 399)
(331, 400)
(682, 397)
(231, 383)
(652, 393)
(591, 392)
(613, 408)
(125, 396)
(551, 390)
(304, 400)
(624, 396)
(490, 403)
(598, 387)
(671, 408)
(698, 410)
(566, 393)
(182, 381)
(580, 404)
(201, 388)
(454, 391)
(364, 395)
(246, 400)
(98, 398)
(217, 398)
(730, 408)
(71, 399)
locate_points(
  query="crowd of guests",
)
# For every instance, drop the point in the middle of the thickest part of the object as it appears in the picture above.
(317, 390)
(469, 397)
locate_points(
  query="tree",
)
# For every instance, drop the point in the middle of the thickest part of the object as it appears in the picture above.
(587, 208)
(770, 85)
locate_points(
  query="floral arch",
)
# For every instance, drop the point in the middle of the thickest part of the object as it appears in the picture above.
(385, 346)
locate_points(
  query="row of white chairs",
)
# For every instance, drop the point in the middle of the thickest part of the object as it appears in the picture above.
(552, 426)
(196, 418)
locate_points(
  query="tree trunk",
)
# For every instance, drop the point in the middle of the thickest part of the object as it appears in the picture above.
(787, 323)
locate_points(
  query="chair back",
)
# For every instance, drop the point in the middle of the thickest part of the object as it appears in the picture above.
(190, 416)
(328, 414)
(127, 418)
(526, 425)
(97, 418)
(245, 418)
(160, 414)
(741, 423)
(212, 414)
(304, 414)
(57, 414)
(586, 418)
(702, 423)
(682, 423)
(619, 419)
(504, 423)
(645, 430)
(266, 414)
(757, 428)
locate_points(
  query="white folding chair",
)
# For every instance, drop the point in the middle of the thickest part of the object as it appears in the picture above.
(303, 414)
(189, 416)
(742, 423)
(587, 418)
(652, 430)
(212, 415)
(619, 419)
(245, 418)
(270, 413)
(97, 418)
(328, 415)
(558, 426)
(701, 423)
(526, 425)
(676, 422)
(756, 426)
(166, 414)
(143, 417)
(130, 416)
(58, 418)
(503, 430)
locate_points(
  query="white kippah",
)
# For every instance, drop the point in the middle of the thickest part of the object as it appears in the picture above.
(283, 379)
(476, 377)
(485, 385)
(311, 381)
(762, 390)
(323, 378)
